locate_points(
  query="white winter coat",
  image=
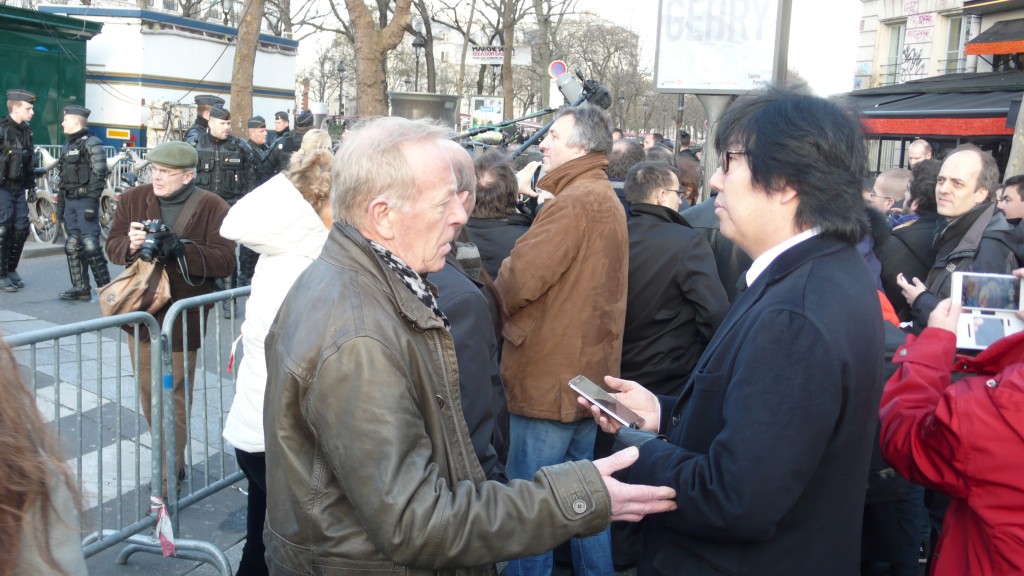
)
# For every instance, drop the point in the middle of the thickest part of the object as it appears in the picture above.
(275, 221)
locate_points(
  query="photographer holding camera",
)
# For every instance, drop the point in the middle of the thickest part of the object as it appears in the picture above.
(177, 225)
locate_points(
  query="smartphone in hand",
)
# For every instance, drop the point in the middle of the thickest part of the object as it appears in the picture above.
(605, 401)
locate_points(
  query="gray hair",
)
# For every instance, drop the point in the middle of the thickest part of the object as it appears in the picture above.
(373, 163)
(593, 130)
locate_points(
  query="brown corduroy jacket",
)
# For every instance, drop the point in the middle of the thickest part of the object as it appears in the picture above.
(564, 292)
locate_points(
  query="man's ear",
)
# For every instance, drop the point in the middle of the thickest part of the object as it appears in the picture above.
(380, 218)
(786, 195)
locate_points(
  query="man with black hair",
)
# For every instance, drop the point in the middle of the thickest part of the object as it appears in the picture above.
(770, 440)
(281, 128)
(16, 177)
(204, 103)
(1011, 201)
(624, 155)
(83, 173)
(282, 149)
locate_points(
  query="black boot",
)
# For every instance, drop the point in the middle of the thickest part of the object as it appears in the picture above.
(79, 281)
(16, 247)
(5, 239)
(93, 253)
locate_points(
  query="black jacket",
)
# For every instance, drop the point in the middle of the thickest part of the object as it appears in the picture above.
(770, 441)
(17, 153)
(495, 238)
(83, 167)
(675, 301)
(978, 241)
(476, 352)
(909, 251)
(280, 151)
(731, 261)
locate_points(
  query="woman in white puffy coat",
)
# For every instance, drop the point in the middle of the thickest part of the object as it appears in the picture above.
(286, 221)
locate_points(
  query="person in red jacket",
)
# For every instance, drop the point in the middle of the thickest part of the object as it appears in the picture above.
(965, 439)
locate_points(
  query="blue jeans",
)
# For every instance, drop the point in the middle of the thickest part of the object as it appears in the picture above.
(535, 443)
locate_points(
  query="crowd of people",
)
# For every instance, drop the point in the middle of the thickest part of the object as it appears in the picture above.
(789, 345)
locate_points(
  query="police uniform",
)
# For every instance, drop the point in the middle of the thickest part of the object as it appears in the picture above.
(282, 149)
(282, 115)
(201, 125)
(247, 258)
(225, 169)
(16, 176)
(82, 168)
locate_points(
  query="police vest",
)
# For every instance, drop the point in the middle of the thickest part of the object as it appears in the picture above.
(75, 168)
(16, 150)
(222, 167)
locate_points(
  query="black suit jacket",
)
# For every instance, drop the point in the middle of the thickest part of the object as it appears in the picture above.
(771, 438)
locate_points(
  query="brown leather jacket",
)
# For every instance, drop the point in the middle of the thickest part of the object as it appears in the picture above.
(370, 467)
(564, 293)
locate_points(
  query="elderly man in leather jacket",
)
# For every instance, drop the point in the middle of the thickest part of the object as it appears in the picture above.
(369, 462)
(83, 173)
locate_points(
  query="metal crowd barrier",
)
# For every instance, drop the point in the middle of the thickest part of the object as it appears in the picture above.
(82, 377)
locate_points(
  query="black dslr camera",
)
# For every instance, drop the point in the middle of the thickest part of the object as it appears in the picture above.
(156, 234)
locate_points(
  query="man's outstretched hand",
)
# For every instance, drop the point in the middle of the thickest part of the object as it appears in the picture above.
(631, 502)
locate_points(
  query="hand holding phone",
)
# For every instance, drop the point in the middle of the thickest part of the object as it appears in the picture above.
(605, 402)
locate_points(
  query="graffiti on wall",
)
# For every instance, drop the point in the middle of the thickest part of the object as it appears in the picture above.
(912, 63)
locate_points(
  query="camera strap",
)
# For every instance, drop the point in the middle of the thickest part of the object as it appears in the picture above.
(179, 227)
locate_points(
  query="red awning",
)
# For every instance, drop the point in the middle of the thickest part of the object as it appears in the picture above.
(937, 126)
(1006, 37)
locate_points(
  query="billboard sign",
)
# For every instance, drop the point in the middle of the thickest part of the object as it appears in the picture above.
(521, 55)
(716, 46)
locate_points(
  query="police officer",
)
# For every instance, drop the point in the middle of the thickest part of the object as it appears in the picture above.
(204, 103)
(258, 148)
(225, 168)
(281, 128)
(83, 172)
(16, 176)
(282, 148)
(258, 136)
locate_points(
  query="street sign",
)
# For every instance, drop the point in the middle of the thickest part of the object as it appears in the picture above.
(557, 68)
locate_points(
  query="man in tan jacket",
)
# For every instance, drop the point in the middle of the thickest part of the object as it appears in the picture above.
(564, 292)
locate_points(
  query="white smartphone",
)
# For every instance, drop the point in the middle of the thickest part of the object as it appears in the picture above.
(605, 401)
(989, 303)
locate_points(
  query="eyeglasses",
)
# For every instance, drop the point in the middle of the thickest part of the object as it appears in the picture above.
(162, 173)
(726, 157)
(873, 195)
(680, 193)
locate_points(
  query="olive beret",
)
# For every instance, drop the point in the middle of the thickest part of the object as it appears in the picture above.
(257, 122)
(175, 154)
(18, 95)
(304, 119)
(208, 100)
(77, 111)
(219, 112)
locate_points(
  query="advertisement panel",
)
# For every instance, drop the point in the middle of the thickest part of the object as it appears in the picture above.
(521, 55)
(716, 46)
(486, 110)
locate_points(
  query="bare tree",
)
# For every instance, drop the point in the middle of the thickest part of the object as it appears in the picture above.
(245, 59)
(372, 41)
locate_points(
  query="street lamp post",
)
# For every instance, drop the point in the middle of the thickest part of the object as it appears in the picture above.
(647, 106)
(341, 89)
(622, 102)
(408, 83)
(417, 43)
